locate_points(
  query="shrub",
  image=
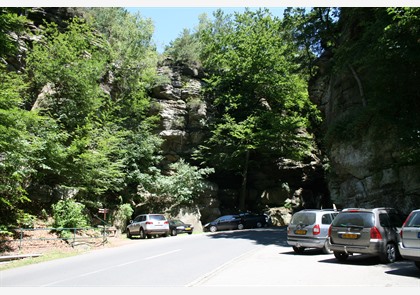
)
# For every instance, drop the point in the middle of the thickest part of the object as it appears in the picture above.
(69, 214)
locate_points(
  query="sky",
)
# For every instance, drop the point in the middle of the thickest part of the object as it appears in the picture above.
(169, 22)
(170, 17)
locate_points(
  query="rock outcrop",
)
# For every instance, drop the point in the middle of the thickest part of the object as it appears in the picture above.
(184, 114)
(364, 171)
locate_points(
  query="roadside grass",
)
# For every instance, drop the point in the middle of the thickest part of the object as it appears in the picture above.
(33, 260)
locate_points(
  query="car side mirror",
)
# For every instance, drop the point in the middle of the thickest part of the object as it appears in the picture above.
(131, 221)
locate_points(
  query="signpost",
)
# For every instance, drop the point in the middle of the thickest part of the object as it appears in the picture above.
(104, 211)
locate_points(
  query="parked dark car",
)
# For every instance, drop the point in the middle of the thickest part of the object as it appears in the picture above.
(366, 231)
(179, 227)
(252, 220)
(226, 222)
(409, 244)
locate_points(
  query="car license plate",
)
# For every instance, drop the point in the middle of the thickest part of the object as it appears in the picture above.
(300, 232)
(349, 236)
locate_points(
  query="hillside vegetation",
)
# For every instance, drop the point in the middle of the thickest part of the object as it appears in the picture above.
(77, 133)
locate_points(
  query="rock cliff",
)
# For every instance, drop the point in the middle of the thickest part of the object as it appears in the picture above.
(365, 171)
(184, 114)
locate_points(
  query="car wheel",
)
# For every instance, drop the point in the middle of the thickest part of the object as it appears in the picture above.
(298, 250)
(240, 226)
(173, 232)
(259, 224)
(129, 234)
(326, 249)
(213, 228)
(341, 256)
(390, 254)
(141, 234)
(190, 233)
(417, 263)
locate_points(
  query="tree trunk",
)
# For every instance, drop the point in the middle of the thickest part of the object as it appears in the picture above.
(242, 195)
(359, 83)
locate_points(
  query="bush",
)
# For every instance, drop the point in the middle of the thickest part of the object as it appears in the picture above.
(122, 215)
(69, 214)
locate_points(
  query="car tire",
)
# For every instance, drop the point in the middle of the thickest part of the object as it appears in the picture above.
(213, 228)
(129, 236)
(141, 234)
(326, 249)
(298, 250)
(417, 263)
(390, 254)
(174, 232)
(190, 233)
(341, 256)
(240, 226)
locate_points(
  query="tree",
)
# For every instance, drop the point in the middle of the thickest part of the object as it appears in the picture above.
(131, 67)
(66, 67)
(9, 21)
(259, 96)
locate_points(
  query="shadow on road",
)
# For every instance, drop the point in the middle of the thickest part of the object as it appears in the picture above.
(404, 268)
(400, 267)
(275, 235)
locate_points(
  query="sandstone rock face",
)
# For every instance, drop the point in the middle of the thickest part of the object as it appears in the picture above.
(184, 115)
(364, 171)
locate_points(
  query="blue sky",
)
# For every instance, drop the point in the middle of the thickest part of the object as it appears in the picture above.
(169, 22)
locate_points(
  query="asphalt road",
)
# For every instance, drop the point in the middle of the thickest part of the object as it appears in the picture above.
(246, 258)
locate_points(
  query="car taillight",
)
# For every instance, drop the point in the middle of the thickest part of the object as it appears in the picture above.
(166, 222)
(401, 233)
(408, 217)
(149, 222)
(329, 230)
(375, 234)
(316, 230)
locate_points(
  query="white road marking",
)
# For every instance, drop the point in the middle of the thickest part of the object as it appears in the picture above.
(111, 267)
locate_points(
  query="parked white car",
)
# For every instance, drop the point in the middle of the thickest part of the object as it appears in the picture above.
(409, 244)
(147, 225)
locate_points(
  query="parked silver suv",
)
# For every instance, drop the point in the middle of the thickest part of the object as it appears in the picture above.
(309, 229)
(366, 231)
(409, 244)
(147, 225)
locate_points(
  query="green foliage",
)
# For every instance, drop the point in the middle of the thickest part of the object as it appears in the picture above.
(70, 63)
(260, 97)
(16, 149)
(181, 185)
(124, 212)
(132, 61)
(69, 214)
(26, 220)
(9, 21)
(185, 49)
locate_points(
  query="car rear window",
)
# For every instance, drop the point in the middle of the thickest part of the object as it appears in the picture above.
(345, 219)
(303, 218)
(157, 217)
(414, 220)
